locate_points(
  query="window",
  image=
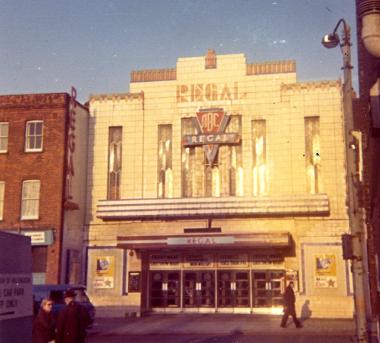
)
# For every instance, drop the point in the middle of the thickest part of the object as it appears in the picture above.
(224, 177)
(30, 201)
(33, 135)
(2, 191)
(312, 155)
(4, 127)
(259, 168)
(165, 171)
(114, 162)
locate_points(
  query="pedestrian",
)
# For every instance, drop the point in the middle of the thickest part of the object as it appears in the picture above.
(72, 321)
(289, 306)
(44, 324)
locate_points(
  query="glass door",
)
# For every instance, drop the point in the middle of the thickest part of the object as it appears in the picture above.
(233, 288)
(277, 287)
(199, 289)
(190, 289)
(242, 289)
(207, 288)
(157, 289)
(165, 289)
(261, 297)
(173, 289)
(268, 288)
(225, 287)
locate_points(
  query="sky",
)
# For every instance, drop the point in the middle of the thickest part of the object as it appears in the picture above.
(93, 45)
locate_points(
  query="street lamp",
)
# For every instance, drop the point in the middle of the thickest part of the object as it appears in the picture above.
(329, 41)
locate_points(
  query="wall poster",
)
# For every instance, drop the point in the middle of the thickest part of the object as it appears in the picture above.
(105, 270)
(325, 271)
(134, 282)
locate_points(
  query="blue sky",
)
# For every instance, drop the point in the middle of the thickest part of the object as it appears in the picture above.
(50, 45)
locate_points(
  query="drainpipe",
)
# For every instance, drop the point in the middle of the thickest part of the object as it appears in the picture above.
(369, 12)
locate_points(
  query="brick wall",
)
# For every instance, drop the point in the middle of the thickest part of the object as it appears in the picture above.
(47, 166)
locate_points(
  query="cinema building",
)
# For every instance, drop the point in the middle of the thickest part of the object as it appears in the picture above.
(212, 185)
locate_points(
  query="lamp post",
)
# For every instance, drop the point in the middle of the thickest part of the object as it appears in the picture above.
(354, 213)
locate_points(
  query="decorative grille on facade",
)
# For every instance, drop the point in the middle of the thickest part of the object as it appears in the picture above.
(259, 168)
(114, 162)
(312, 155)
(165, 171)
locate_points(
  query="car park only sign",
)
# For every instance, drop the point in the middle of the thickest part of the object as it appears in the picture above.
(15, 296)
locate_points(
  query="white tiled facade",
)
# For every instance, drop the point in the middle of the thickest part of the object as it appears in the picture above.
(121, 230)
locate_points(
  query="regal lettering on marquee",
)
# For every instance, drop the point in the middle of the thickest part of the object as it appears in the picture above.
(200, 240)
(209, 92)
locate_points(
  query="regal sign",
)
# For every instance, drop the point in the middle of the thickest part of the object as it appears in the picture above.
(211, 125)
(69, 204)
(200, 240)
(209, 92)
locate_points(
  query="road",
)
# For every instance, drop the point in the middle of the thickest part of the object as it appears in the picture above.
(224, 328)
(233, 338)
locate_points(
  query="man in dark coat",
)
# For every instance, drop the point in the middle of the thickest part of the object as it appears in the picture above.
(289, 306)
(72, 321)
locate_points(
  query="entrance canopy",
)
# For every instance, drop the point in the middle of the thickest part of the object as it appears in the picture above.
(206, 241)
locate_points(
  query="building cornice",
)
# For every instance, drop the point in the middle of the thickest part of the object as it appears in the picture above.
(313, 85)
(272, 67)
(116, 96)
(169, 74)
(149, 75)
(33, 100)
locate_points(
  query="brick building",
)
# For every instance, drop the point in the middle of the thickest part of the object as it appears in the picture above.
(212, 185)
(43, 153)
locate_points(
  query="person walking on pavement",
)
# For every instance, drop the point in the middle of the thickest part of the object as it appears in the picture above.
(44, 325)
(72, 321)
(289, 306)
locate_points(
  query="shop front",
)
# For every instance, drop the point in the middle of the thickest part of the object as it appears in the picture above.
(219, 282)
(206, 276)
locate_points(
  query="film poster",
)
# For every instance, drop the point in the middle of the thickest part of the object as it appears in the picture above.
(104, 275)
(325, 271)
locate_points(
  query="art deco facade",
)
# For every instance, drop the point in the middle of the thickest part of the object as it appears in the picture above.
(212, 185)
(43, 154)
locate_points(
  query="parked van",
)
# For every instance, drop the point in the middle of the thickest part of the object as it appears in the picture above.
(56, 293)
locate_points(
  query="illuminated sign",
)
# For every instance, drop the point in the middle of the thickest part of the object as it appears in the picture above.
(210, 124)
(200, 240)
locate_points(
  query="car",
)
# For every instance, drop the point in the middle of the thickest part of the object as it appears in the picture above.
(56, 293)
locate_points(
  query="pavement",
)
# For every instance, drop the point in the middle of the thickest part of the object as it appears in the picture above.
(218, 324)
